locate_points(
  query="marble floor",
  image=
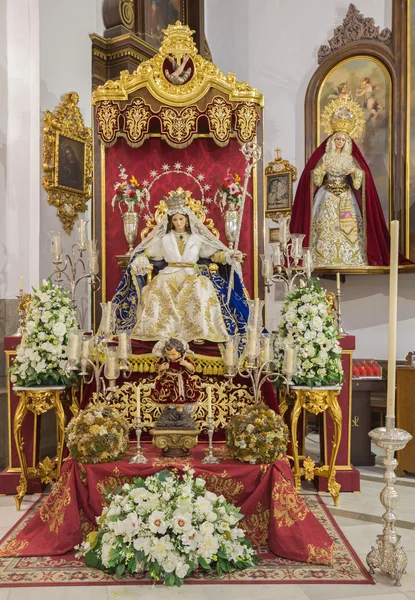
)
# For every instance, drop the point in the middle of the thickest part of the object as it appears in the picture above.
(357, 514)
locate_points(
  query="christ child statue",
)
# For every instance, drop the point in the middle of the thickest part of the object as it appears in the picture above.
(175, 382)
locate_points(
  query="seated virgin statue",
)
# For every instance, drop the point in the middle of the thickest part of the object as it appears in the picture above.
(336, 204)
(185, 298)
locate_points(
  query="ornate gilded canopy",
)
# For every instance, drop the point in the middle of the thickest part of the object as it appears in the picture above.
(178, 95)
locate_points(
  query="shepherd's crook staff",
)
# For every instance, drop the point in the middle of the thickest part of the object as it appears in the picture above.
(252, 152)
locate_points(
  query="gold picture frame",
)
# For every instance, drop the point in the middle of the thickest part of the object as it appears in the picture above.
(278, 187)
(67, 160)
(273, 235)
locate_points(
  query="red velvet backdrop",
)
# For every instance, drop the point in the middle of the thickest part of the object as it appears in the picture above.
(207, 159)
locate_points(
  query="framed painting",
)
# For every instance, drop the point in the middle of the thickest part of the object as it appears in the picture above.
(365, 80)
(70, 171)
(158, 14)
(278, 183)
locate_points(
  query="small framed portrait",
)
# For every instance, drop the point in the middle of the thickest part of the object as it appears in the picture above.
(279, 177)
(70, 172)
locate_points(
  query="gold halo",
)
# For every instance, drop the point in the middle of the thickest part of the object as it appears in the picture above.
(344, 115)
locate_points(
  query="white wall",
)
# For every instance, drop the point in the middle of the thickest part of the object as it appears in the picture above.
(273, 45)
(45, 51)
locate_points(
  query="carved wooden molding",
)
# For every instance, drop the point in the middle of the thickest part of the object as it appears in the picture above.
(355, 28)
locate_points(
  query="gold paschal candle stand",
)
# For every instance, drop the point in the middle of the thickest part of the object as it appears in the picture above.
(316, 401)
(39, 400)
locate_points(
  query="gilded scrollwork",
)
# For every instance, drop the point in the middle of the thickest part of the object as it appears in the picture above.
(287, 506)
(108, 119)
(137, 120)
(219, 113)
(247, 117)
(178, 125)
(67, 160)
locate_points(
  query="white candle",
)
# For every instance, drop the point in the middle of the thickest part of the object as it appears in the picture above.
(252, 341)
(307, 261)
(108, 318)
(138, 398)
(82, 232)
(209, 395)
(57, 244)
(72, 346)
(268, 271)
(256, 313)
(289, 361)
(393, 317)
(111, 367)
(122, 345)
(86, 348)
(21, 283)
(277, 255)
(266, 348)
(229, 355)
(94, 264)
(338, 281)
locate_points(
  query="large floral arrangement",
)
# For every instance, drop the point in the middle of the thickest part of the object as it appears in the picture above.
(98, 434)
(229, 192)
(307, 326)
(168, 526)
(130, 193)
(41, 356)
(257, 435)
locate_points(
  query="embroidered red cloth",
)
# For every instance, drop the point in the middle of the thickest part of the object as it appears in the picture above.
(274, 513)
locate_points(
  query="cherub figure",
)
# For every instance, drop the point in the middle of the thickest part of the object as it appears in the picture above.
(341, 91)
(367, 91)
(174, 383)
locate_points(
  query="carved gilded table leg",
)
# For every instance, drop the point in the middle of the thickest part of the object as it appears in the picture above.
(335, 412)
(296, 411)
(20, 414)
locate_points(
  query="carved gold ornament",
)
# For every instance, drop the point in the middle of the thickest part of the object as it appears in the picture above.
(247, 117)
(178, 125)
(137, 120)
(343, 115)
(219, 113)
(108, 119)
(67, 160)
(177, 43)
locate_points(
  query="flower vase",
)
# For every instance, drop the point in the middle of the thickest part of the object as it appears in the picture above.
(231, 224)
(130, 219)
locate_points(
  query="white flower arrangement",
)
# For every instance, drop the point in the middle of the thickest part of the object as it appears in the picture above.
(41, 355)
(168, 526)
(307, 326)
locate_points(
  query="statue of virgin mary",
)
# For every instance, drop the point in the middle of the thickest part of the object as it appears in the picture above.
(185, 298)
(336, 204)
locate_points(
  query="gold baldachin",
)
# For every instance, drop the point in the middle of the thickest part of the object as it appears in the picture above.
(149, 74)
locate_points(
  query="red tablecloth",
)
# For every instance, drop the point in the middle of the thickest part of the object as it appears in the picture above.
(274, 514)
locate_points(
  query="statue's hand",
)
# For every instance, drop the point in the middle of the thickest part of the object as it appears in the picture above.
(140, 265)
(351, 171)
(187, 364)
(234, 255)
(163, 367)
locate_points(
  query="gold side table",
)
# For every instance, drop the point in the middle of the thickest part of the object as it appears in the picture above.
(316, 401)
(39, 400)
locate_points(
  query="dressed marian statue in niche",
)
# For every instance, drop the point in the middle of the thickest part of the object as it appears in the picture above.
(185, 298)
(336, 204)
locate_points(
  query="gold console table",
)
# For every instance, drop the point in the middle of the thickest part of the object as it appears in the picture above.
(316, 401)
(39, 400)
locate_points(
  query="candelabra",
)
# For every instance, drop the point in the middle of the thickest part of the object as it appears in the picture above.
(284, 264)
(257, 361)
(71, 262)
(85, 354)
(210, 458)
(139, 458)
(338, 306)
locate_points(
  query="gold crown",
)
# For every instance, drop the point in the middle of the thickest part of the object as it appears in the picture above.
(176, 199)
(344, 115)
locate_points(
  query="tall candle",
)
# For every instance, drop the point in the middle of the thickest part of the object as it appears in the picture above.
(289, 361)
(86, 345)
(21, 283)
(111, 367)
(229, 355)
(72, 346)
(57, 244)
(307, 261)
(265, 352)
(209, 395)
(122, 345)
(138, 398)
(338, 281)
(268, 271)
(277, 255)
(393, 317)
(252, 341)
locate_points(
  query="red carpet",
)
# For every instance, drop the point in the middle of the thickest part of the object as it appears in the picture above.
(66, 570)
